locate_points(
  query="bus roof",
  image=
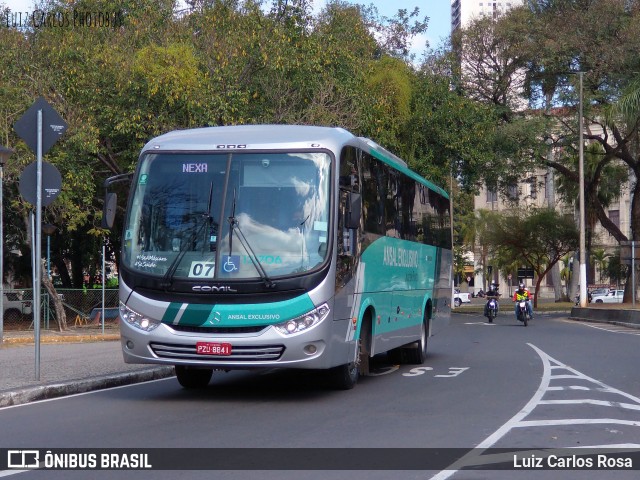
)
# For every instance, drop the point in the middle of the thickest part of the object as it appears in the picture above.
(267, 137)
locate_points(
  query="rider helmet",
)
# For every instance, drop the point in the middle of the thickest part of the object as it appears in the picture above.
(521, 286)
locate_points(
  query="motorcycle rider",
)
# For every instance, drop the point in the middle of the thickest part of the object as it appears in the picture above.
(492, 293)
(523, 294)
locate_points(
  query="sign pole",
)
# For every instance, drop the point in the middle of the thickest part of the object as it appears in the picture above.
(633, 272)
(40, 143)
(103, 282)
(37, 266)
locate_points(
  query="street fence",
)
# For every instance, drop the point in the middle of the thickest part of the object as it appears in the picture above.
(83, 308)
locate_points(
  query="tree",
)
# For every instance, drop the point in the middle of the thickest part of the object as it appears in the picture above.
(537, 239)
(600, 259)
(600, 39)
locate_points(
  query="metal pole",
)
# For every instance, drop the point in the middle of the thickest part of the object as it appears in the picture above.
(1, 256)
(49, 256)
(46, 312)
(37, 267)
(583, 249)
(452, 230)
(103, 281)
(633, 272)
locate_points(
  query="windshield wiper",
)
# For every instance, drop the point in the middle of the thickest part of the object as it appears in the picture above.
(167, 279)
(234, 225)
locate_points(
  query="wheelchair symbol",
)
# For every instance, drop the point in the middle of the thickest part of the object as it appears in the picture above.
(230, 264)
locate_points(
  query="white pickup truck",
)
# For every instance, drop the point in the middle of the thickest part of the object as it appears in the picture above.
(459, 297)
(15, 308)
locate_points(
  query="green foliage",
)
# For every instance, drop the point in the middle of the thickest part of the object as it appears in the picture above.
(449, 134)
(224, 62)
(538, 238)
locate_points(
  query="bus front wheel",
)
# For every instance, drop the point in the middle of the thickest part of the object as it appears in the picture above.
(344, 377)
(190, 377)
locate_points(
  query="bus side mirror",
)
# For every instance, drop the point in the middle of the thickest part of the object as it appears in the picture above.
(109, 210)
(355, 211)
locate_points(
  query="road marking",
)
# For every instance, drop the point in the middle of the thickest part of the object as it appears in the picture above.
(550, 365)
(414, 372)
(454, 372)
(6, 473)
(66, 397)
(611, 328)
(590, 401)
(383, 371)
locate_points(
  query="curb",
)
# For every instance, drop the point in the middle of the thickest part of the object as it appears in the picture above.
(55, 390)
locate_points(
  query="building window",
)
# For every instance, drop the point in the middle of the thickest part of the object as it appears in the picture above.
(614, 216)
(512, 191)
(492, 195)
(533, 182)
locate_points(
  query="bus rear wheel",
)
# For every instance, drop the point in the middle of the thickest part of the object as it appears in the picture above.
(418, 354)
(190, 377)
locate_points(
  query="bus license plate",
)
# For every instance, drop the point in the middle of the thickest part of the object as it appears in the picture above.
(209, 348)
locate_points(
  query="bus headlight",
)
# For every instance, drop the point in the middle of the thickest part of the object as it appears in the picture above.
(134, 318)
(303, 322)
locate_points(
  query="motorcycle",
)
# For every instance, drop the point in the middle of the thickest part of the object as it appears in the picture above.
(492, 308)
(523, 312)
(480, 294)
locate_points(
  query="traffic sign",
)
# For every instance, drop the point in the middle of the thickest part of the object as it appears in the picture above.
(51, 183)
(53, 126)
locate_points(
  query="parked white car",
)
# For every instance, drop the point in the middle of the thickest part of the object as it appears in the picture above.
(459, 298)
(15, 308)
(613, 296)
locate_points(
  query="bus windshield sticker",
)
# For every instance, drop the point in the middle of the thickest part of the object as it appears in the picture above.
(201, 269)
(230, 263)
(320, 226)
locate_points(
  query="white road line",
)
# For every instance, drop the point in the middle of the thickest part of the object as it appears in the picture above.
(577, 421)
(611, 329)
(572, 387)
(6, 473)
(517, 421)
(65, 397)
(590, 401)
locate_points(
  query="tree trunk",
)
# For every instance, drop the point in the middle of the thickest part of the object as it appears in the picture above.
(61, 316)
(557, 283)
(575, 278)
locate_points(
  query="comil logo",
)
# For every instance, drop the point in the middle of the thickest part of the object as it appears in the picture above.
(23, 459)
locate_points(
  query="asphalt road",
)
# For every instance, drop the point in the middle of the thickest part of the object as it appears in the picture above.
(554, 384)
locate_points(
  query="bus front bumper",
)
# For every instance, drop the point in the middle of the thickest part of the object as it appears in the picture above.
(265, 349)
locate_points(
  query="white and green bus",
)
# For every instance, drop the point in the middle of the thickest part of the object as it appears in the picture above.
(268, 246)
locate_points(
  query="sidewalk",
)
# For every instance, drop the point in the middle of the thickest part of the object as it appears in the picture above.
(75, 361)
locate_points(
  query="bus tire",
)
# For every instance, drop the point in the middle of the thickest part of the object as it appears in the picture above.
(345, 377)
(418, 353)
(190, 377)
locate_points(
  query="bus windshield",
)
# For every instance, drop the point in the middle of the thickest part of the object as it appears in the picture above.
(183, 205)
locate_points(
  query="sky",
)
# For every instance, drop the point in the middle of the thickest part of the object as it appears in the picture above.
(438, 11)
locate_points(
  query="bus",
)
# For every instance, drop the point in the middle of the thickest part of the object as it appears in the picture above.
(266, 246)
